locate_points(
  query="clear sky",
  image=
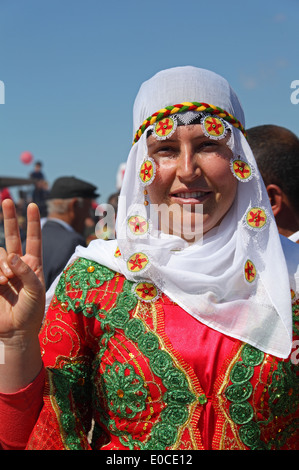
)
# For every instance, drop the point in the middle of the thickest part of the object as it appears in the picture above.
(72, 68)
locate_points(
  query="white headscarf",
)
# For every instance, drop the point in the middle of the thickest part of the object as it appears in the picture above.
(207, 279)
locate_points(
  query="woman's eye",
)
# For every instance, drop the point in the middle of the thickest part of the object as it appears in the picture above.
(164, 151)
(208, 145)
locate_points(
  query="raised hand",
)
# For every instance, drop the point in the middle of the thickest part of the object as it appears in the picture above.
(22, 298)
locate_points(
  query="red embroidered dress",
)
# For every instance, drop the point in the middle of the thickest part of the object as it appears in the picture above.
(131, 367)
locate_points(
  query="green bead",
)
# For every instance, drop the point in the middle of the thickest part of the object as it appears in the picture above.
(202, 399)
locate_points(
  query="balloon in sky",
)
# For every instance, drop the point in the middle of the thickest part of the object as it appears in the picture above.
(26, 158)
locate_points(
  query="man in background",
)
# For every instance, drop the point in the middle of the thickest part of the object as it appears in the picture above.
(37, 173)
(276, 151)
(69, 204)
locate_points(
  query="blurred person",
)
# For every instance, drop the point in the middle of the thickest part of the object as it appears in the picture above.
(39, 196)
(37, 173)
(90, 223)
(69, 203)
(276, 150)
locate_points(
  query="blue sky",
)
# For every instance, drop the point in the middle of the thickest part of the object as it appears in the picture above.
(72, 68)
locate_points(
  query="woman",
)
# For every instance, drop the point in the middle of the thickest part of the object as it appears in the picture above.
(178, 334)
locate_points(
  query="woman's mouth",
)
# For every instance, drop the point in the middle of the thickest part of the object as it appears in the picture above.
(190, 197)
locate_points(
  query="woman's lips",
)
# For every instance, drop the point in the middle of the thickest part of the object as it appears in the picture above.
(190, 197)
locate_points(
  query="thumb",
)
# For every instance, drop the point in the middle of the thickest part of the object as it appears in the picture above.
(23, 272)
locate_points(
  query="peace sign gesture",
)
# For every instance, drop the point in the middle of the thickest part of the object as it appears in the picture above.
(22, 299)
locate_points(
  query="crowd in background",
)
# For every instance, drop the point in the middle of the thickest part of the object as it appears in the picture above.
(38, 192)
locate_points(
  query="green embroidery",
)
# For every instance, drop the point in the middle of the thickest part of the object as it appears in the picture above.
(238, 393)
(295, 312)
(148, 344)
(134, 329)
(241, 373)
(163, 435)
(175, 379)
(252, 356)
(284, 390)
(283, 399)
(241, 413)
(250, 434)
(83, 274)
(125, 391)
(175, 414)
(72, 385)
(117, 317)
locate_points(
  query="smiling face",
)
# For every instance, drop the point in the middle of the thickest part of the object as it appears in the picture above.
(192, 169)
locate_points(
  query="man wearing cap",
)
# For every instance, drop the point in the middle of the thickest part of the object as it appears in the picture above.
(69, 203)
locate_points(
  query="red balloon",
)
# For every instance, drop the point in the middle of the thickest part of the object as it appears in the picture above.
(26, 158)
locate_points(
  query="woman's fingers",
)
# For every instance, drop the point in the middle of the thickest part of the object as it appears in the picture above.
(12, 233)
(5, 271)
(34, 233)
(11, 228)
(23, 272)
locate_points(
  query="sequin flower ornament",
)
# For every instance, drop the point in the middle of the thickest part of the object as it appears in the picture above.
(126, 394)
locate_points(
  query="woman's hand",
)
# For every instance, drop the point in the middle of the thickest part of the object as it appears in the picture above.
(22, 299)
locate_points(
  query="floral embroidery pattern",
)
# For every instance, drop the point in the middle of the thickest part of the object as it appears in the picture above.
(138, 225)
(146, 291)
(147, 171)
(241, 170)
(214, 127)
(126, 394)
(85, 274)
(256, 218)
(137, 262)
(249, 271)
(165, 128)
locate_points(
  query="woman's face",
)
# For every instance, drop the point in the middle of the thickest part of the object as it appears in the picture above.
(192, 169)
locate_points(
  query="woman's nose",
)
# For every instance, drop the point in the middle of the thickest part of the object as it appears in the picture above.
(188, 165)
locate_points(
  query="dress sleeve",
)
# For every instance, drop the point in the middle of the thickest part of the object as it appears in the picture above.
(19, 412)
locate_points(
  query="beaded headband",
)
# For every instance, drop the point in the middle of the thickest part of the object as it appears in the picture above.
(182, 108)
